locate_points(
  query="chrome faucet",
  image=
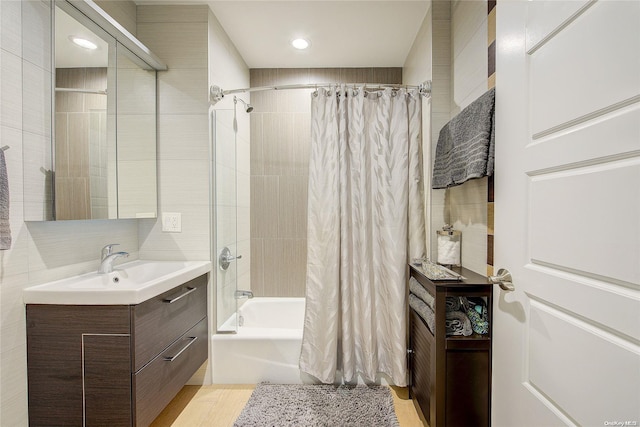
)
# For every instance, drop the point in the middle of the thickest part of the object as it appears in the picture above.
(243, 294)
(107, 258)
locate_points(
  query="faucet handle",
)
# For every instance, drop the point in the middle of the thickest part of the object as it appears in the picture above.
(106, 251)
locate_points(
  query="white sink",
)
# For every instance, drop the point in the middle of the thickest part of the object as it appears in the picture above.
(129, 283)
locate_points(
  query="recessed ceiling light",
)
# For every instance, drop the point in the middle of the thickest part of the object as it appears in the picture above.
(83, 43)
(300, 43)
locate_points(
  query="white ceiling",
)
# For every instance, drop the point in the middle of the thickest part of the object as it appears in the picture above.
(342, 33)
(68, 54)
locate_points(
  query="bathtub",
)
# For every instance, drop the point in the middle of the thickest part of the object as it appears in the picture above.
(266, 347)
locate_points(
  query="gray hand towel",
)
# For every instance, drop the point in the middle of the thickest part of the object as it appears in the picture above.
(418, 290)
(424, 311)
(5, 230)
(465, 147)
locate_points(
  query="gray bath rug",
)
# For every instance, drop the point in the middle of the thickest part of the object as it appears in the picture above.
(282, 405)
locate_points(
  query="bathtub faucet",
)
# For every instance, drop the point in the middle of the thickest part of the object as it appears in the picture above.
(243, 294)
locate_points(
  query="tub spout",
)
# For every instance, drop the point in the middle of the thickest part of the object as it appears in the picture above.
(243, 294)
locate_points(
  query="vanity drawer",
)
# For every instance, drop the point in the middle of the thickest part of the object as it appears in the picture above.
(158, 382)
(158, 322)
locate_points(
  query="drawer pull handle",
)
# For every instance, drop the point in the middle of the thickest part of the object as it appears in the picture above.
(172, 358)
(179, 297)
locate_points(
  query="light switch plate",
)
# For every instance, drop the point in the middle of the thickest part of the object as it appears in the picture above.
(172, 222)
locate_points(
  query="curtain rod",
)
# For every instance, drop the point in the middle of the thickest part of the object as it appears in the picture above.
(216, 93)
(91, 91)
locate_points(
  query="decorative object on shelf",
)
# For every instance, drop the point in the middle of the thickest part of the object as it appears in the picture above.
(449, 244)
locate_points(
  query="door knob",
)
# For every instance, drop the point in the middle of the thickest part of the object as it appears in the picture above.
(503, 279)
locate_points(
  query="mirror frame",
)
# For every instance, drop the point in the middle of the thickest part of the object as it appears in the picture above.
(93, 17)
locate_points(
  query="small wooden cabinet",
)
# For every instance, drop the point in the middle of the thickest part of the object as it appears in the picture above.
(450, 376)
(114, 365)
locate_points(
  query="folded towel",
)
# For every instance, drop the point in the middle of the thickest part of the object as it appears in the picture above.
(418, 290)
(424, 311)
(452, 304)
(5, 230)
(457, 323)
(465, 147)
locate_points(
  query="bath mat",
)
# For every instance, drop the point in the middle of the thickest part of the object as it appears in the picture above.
(285, 405)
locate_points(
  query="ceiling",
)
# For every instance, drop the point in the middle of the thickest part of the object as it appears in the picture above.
(69, 55)
(342, 33)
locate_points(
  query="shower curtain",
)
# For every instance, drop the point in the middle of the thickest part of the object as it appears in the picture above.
(365, 221)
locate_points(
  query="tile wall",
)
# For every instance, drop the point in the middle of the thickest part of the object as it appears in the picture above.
(228, 70)
(44, 251)
(198, 53)
(459, 77)
(417, 69)
(180, 40)
(41, 251)
(81, 168)
(280, 138)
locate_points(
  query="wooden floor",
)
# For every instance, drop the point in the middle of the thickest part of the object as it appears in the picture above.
(220, 405)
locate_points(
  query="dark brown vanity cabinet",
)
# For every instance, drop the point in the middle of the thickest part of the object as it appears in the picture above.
(114, 365)
(450, 376)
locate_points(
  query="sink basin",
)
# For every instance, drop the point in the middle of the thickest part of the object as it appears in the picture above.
(129, 283)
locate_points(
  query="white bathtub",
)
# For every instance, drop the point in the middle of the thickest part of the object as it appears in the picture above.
(266, 347)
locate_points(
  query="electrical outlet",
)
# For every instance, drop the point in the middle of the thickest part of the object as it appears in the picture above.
(172, 222)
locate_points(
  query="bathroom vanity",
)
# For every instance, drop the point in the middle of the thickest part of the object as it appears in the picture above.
(114, 364)
(450, 376)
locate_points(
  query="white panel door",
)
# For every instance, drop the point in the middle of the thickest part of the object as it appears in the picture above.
(566, 348)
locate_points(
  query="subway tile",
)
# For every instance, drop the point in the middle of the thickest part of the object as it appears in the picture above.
(179, 45)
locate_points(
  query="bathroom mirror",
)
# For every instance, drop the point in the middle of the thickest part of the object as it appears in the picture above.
(102, 163)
